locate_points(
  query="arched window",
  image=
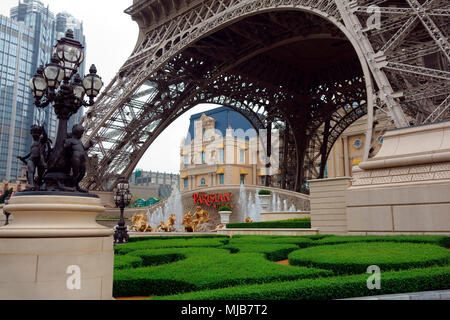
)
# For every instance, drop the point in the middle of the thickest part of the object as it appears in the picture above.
(203, 181)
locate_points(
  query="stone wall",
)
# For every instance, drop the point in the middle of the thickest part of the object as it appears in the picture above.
(328, 205)
(405, 188)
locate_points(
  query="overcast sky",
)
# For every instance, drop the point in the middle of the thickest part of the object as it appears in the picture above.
(110, 37)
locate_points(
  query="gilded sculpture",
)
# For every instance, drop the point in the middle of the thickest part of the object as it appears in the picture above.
(168, 226)
(139, 223)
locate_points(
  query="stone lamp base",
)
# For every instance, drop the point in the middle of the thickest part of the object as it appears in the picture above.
(54, 249)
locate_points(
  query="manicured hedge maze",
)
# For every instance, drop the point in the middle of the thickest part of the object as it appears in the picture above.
(351, 258)
(242, 267)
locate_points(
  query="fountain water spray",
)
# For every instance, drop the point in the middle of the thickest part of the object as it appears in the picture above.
(173, 205)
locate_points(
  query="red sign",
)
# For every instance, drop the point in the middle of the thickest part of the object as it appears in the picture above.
(212, 199)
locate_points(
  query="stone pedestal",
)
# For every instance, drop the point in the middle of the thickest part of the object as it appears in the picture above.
(224, 217)
(405, 188)
(54, 249)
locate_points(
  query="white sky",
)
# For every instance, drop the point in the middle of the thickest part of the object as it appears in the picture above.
(110, 37)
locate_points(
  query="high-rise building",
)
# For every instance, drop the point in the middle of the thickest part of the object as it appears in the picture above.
(26, 42)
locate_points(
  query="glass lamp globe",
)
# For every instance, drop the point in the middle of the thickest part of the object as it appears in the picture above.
(53, 73)
(92, 83)
(38, 84)
(78, 89)
(69, 53)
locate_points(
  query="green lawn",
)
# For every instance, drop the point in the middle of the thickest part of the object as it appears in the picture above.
(243, 267)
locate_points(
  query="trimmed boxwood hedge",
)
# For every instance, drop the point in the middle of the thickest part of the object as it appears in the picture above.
(145, 238)
(356, 257)
(166, 265)
(123, 262)
(173, 243)
(291, 223)
(273, 252)
(435, 278)
(202, 268)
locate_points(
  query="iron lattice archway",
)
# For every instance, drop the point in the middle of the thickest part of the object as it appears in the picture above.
(225, 49)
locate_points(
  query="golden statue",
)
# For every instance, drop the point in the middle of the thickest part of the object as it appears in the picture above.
(194, 222)
(187, 223)
(248, 219)
(140, 223)
(168, 226)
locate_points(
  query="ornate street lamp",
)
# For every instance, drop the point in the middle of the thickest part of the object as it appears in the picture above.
(7, 214)
(59, 84)
(122, 199)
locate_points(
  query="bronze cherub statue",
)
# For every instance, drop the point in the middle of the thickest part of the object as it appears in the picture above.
(37, 158)
(76, 153)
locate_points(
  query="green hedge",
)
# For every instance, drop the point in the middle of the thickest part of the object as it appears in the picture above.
(443, 241)
(123, 262)
(203, 268)
(356, 257)
(436, 278)
(145, 238)
(272, 252)
(291, 223)
(302, 242)
(149, 258)
(173, 243)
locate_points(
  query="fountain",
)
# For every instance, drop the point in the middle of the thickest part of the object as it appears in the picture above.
(250, 207)
(173, 206)
(242, 204)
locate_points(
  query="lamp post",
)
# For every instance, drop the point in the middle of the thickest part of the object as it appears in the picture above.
(122, 199)
(59, 84)
(7, 214)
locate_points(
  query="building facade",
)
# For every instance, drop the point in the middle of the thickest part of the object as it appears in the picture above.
(147, 184)
(349, 148)
(221, 148)
(26, 42)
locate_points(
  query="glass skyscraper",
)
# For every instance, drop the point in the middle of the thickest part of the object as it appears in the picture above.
(26, 42)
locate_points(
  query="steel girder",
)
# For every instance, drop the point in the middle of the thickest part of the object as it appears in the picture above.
(188, 51)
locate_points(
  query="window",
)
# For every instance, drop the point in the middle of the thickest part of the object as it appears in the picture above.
(185, 182)
(221, 180)
(242, 156)
(357, 143)
(221, 155)
(263, 180)
(203, 157)
(203, 182)
(242, 178)
(186, 161)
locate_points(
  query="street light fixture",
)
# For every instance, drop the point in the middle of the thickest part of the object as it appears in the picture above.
(122, 199)
(59, 84)
(7, 214)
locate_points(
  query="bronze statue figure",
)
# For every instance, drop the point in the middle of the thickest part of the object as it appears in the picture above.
(37, 158)
(76, 153)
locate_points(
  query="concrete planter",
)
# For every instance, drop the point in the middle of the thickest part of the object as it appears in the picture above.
(265, 199)
(224, 217)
